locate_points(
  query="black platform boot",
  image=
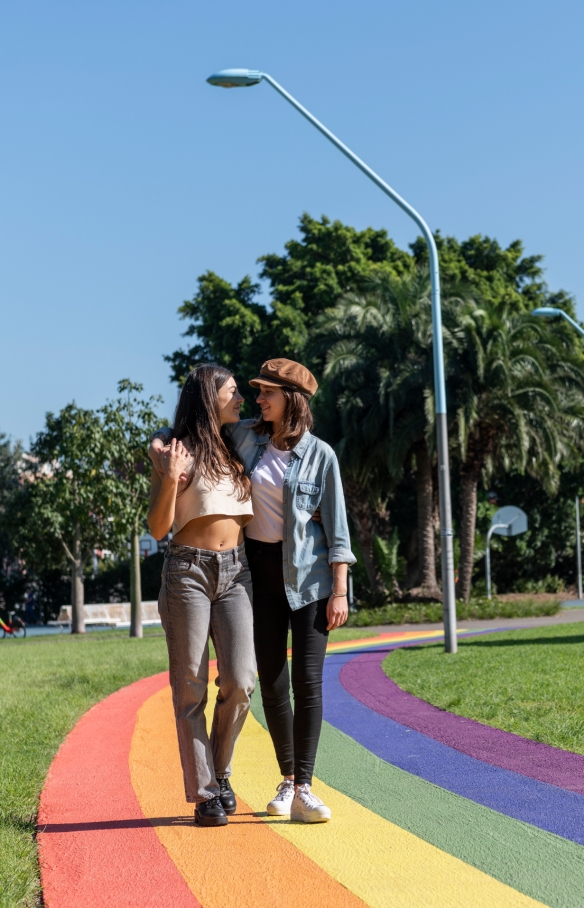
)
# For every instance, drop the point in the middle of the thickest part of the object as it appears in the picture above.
(210, 813)
(226, 796)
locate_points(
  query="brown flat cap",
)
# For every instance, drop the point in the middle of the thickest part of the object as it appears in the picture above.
(285, 373)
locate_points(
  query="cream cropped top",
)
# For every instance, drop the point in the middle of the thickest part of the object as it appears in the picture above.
(203, 498)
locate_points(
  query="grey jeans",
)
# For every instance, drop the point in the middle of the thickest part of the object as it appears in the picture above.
(207, 594)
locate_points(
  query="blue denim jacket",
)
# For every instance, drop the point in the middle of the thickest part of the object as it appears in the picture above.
(312, 479)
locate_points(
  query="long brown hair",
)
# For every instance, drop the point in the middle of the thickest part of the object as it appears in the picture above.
(296, 421)
(197, 421)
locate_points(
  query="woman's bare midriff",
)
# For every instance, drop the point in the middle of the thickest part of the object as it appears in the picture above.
(214, 533)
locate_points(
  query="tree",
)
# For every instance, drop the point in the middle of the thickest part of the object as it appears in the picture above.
(327, 263)
(491, 274)
(515, 391)
(548, 548)
(226, 323)
(231, 327)
(366, 490)
(86, 488)
(66, 501)
(127, 423)
(380, 364)
(330, 260)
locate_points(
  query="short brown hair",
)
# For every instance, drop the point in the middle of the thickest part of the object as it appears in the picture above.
(297, 420)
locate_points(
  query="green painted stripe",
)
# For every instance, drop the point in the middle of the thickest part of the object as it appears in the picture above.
(537, 863)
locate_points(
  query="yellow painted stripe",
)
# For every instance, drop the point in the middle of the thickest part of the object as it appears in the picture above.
(380, 639)
(381, 864)
(384, 865)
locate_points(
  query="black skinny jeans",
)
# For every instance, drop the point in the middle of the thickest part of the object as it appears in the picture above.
(294, 734)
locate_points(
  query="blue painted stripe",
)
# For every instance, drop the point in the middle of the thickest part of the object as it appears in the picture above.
(545, 806)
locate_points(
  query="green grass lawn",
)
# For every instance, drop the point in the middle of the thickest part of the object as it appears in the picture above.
(529, 682)
(46, 684)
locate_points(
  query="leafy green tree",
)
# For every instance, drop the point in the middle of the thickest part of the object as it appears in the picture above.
(231, 327)
(329, 260)
(66, 501)
(524, 563)
(227, 325)
(327, 263)
(516, 395)
(379, 362)
(127, 423)
(86, 487)
(486, 271)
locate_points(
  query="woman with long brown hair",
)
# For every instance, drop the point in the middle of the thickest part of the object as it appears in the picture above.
(298, 567)
(200, 491)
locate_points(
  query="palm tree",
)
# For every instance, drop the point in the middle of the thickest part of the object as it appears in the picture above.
(379, 367)
(366, 487)
(516, 393)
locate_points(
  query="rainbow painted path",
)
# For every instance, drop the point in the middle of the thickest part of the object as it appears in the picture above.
(429, 809)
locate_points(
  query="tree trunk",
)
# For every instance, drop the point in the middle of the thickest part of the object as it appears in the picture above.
(481, 444)
(428, 588)
(362, 515)
(413, 562)
(135, 585)
(469, 481)
(77, 587)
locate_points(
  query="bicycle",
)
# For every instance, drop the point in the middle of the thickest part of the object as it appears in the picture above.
(15, 627)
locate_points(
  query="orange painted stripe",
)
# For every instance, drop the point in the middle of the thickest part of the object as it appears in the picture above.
(244, 863)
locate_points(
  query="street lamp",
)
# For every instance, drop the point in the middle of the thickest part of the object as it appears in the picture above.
(241, 78)
(552, 312)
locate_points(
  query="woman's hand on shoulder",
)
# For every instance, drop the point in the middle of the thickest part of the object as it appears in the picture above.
(174, 460)
(157, 446)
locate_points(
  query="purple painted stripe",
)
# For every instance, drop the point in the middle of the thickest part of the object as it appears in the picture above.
(365, 680)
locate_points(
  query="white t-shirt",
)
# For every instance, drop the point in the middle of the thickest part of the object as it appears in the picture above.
(267, 483)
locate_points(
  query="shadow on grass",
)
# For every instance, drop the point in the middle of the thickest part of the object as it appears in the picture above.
(513, 641)
(537, 641)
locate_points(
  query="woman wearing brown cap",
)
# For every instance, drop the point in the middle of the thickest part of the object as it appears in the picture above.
(298, 568)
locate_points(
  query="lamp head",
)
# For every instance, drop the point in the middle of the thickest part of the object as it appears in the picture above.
(235, 78)
(547, 312)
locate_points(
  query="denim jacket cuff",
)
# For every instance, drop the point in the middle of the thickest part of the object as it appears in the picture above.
(341, 555)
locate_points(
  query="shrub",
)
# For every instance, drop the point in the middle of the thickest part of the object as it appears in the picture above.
(431, 612)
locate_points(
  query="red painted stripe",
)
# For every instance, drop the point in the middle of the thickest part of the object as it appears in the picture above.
(96, 847)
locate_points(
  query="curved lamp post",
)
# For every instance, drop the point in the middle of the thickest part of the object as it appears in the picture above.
(551, 312)
(241, 78)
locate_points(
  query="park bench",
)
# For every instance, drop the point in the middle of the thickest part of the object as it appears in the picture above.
(115, 614)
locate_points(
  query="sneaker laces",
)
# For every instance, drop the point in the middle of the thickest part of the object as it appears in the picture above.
(308, 798)
(284, 789)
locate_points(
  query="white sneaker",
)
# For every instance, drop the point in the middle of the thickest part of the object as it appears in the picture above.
(280, 805)
(307, 808)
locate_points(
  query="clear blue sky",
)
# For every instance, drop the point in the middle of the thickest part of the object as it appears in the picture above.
(124, 175)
